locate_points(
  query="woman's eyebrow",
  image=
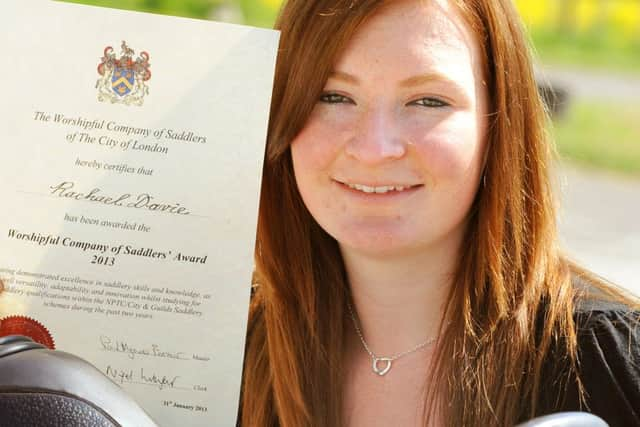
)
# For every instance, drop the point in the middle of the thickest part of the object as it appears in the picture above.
(427, 78)
(412, 81)
(345, 77)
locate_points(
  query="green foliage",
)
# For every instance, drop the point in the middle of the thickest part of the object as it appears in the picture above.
(601, 135)
(591, 33)
(187, 8)
(259, 13)
(590, 50)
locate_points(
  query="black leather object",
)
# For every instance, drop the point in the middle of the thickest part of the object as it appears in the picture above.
(46, 409)
(49, 388)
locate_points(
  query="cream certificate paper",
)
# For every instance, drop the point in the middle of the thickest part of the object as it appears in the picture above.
(132, 148)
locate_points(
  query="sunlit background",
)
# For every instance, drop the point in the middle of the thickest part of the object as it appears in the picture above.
(588, 38)
(587, 49)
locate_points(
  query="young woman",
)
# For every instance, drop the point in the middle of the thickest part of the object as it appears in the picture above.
(407, 264)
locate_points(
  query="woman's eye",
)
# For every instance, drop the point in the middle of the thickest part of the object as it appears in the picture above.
(429, 102)
(334, 98)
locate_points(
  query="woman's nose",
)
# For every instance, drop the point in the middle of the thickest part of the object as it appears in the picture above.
(376, 139)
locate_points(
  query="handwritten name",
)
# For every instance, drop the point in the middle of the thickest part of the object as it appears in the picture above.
(132, 351)
(141, 376)
(67, 190)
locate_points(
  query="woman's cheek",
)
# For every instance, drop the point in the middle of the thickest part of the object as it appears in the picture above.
(319, 143)
(449, 151)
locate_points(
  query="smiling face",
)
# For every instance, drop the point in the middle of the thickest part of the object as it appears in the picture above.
(390, 159)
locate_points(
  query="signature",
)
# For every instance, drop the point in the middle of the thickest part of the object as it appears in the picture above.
(132, 351)
(67, 190)
(141, 376)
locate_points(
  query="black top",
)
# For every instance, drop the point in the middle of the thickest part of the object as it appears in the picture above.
(609, 366)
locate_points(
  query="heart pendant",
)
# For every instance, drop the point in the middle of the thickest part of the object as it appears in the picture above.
(385, 362)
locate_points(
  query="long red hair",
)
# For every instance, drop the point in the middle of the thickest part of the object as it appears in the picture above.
(510, 280)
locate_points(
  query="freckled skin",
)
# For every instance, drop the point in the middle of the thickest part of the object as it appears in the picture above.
(383, 132)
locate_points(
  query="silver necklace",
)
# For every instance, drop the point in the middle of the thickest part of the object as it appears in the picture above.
(382, 365)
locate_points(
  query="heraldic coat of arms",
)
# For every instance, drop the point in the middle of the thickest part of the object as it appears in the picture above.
(123, 80)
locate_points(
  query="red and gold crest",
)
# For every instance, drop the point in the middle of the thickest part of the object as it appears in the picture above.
(123, 79)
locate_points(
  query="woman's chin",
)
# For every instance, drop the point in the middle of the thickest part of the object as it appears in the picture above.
(378, 243)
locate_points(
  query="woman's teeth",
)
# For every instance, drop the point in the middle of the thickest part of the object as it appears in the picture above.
(382, 189)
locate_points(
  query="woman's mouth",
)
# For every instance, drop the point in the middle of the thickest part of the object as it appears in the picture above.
(380, 189)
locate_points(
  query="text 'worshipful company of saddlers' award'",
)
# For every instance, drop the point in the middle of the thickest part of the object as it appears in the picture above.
(132, 149)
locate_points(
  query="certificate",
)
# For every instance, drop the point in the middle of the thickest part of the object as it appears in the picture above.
(132, 148)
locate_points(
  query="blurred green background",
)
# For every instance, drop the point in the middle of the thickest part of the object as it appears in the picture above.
(586, 42)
